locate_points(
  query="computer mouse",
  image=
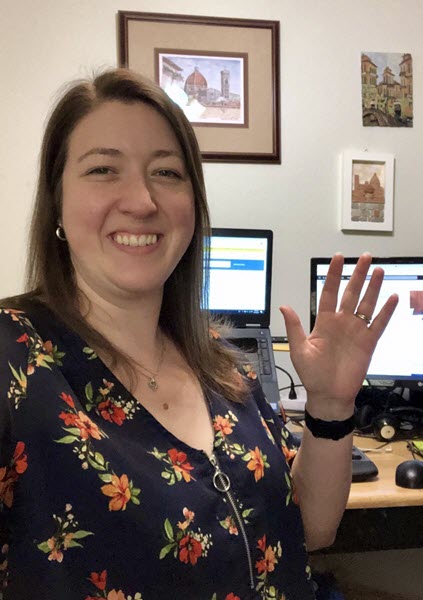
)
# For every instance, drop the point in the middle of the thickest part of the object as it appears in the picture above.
(409, 474)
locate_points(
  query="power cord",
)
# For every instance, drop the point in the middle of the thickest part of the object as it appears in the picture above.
(292, 393)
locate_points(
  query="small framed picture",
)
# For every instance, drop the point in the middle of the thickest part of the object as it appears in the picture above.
(367, 195)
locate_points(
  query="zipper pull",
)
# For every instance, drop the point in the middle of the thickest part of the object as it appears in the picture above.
(220, 480)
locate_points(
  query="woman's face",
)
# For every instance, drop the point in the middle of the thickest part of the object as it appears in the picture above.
(128, 204)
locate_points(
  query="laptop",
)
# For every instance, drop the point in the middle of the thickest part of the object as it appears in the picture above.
(240, 290)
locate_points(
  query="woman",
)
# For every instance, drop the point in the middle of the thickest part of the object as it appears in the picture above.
(137, 459)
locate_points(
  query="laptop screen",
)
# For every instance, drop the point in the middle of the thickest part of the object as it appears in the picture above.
(398, 355)
(240, 275)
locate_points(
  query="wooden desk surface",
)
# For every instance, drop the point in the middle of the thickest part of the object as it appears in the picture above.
(382, 492)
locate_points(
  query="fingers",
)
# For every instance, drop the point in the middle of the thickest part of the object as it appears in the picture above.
(382, 318)
(294, 329)
(352, 292)
(329, 297)
(369, 300)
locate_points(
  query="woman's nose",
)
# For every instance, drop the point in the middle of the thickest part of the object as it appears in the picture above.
(137, 197)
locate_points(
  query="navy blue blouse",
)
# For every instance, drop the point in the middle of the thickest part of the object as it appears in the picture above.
(99, 500)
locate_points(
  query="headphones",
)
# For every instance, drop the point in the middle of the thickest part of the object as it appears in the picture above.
(391, 424)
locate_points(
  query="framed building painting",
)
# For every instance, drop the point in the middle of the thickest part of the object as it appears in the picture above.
(367, 195)
(223, 73)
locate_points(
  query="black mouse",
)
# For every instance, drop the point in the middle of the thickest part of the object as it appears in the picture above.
(409, 474)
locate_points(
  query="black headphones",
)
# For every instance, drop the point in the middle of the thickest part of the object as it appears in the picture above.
(403, 422)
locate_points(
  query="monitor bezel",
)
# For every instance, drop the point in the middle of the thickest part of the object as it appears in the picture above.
(412, 382)
(241, 319)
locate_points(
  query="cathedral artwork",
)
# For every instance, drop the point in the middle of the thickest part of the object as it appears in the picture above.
(209, 87)
(387, 89)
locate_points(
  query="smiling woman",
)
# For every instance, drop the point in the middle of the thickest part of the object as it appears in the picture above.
(139, 457)
(127, 204)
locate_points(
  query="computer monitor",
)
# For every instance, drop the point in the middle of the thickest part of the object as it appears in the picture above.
(240, 275)
(398, 358)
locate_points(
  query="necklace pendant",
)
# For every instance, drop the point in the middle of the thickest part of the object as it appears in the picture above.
(152, 384)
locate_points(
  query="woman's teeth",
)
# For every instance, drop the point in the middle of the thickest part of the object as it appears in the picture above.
(135, 240)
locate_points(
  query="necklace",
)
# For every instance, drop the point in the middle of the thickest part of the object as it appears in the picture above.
(150, 375)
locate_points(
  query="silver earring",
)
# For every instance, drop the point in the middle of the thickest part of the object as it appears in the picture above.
(60, 233)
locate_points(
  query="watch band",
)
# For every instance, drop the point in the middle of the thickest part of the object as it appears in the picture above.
(330, 430)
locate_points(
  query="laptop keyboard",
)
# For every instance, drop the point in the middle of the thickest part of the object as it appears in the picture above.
(263, 357)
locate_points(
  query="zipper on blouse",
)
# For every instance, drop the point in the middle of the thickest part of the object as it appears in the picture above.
(222, 483)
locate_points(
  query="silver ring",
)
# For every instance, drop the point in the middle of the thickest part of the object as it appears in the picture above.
(363, 317)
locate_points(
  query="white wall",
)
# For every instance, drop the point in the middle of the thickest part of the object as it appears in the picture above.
(44, 43)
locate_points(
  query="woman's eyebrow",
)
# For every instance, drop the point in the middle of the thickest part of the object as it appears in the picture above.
(103, 151)
(162, 153)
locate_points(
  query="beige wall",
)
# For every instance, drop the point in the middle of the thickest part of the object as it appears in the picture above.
(44, 43)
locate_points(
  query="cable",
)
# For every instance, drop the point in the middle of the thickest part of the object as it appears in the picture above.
(292, 393)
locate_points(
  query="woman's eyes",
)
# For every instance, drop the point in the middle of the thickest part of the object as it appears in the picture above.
(168, 173)
(110, 171)
(100, 171)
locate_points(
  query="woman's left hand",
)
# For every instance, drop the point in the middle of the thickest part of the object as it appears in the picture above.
(332, 361)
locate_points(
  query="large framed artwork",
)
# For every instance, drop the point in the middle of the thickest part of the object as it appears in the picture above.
(223, 73)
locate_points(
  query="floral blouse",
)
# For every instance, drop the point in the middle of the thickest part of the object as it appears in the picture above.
(99, 500)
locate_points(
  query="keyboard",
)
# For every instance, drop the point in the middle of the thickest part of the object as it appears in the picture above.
(363, 468)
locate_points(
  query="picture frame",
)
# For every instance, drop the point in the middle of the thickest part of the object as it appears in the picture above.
(367, 192)
(234, 104)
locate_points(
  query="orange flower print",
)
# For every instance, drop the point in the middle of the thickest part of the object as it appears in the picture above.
(114, 595)
(261, 544)
(13, 313)
(9, 475)
(118, 491)
(86, 427)
(56, 553)
(232, 596)
(7, 481)
(267, 564)
(288, 453)
(65, 534)
(256, 463)
(48, 347)
(23, 339)
(70, 419)
(186, 544)
(112, 413)
(99, 580)
(230, 525)
(223, 425)
(68, 399)
(180, 464)
(20, 460)
(190, 550)
(189, 517)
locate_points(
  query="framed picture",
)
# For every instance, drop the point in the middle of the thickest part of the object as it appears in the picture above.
(224, 74)
(367, 196)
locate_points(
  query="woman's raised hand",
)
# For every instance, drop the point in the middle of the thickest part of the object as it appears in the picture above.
(332, 361)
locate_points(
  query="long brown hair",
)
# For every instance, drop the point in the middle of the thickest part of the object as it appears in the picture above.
(50, 273)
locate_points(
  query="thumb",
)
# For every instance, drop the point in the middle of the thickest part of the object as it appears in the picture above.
(294, 329)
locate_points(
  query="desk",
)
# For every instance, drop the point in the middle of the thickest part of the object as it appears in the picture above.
(380, 515)
(382, 492)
